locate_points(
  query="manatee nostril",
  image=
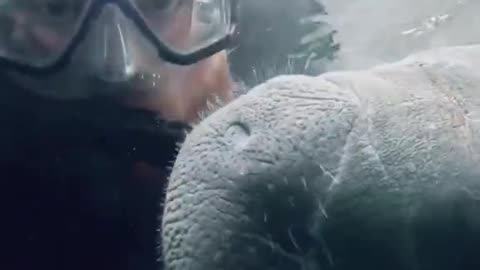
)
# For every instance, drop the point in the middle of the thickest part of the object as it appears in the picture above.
(237, 132)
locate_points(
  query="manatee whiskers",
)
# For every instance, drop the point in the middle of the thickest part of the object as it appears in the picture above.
(212, 104)
(304, 261)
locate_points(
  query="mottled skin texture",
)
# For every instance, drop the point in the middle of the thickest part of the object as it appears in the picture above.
(371, 169)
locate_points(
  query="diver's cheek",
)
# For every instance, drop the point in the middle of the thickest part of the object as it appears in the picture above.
(186, 91)
(207, 83)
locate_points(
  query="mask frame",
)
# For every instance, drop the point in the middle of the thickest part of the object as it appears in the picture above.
(128, 8)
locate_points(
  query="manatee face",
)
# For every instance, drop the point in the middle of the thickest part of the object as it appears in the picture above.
(372, 169)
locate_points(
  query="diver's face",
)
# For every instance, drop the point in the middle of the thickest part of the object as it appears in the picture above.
(114, 58)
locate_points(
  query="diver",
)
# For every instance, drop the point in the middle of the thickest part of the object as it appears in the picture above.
(95, 97)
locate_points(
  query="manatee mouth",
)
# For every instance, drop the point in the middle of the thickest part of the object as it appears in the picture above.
(271, 223)
(257, 210)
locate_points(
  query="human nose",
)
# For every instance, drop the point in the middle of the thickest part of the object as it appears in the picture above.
(112, 53)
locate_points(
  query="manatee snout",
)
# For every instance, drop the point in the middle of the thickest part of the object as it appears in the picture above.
(246, 192)
(369, 169)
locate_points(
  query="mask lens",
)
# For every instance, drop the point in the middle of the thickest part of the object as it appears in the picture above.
(36, 32)
(186, 25)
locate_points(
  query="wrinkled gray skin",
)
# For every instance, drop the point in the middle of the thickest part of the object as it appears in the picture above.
(375, 169)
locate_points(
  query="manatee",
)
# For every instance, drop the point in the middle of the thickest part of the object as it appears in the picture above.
(364, 169)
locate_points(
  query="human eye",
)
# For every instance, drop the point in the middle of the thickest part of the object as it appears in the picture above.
(63, 10)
